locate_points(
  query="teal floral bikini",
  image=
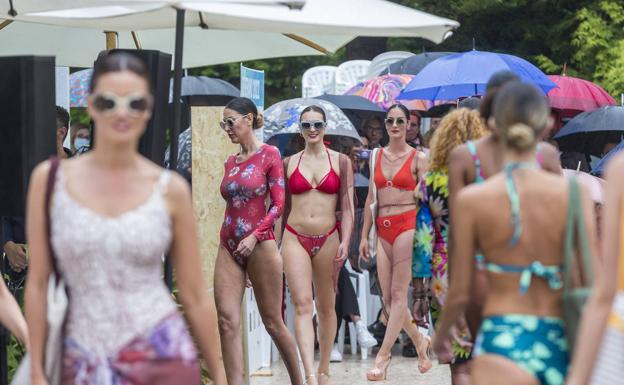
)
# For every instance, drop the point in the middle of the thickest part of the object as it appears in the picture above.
(536, 344)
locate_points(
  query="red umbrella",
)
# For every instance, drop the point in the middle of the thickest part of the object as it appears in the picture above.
(574, 94)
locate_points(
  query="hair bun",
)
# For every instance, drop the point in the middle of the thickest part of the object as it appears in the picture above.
(520, 137)
(259, 121)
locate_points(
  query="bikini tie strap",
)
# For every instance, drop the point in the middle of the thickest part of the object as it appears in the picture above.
(552, 275)
(514, 198)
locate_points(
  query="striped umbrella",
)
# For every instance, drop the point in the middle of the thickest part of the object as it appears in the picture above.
(383, 91)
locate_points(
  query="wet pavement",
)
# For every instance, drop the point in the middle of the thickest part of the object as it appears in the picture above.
(352, 371)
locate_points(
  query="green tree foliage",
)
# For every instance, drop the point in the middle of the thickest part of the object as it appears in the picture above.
(583, 37)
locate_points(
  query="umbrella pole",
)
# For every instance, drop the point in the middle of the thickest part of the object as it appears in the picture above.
(175, 129)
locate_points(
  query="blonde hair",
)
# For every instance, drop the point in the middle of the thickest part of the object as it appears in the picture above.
(456, 128)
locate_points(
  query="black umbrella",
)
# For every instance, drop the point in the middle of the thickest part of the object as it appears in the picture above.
(184, 161)
(413, 64)
(205, 91)
(356, 108)
(590, 131)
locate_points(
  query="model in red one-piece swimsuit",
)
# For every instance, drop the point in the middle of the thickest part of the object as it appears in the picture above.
(244, 187)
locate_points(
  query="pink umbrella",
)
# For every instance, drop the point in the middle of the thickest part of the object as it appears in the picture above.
(595, 185)
(574, 94)
(384, 89)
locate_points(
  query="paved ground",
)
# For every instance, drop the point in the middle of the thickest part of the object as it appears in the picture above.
(352, 371)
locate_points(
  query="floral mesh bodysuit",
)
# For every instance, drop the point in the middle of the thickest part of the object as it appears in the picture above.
(244, 187)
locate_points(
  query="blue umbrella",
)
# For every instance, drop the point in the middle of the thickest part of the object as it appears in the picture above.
(599, 169)
(466, 74)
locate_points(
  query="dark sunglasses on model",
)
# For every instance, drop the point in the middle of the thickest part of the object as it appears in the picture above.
(398, 121)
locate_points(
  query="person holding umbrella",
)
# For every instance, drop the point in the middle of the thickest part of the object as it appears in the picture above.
(395, 219)
(314, 244)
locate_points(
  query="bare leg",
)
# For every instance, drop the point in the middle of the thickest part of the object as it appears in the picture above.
(395, 275)
(265, 272)
(494, 370)
(460, 374)
(298, 268)
(323, 266)
(229, 283)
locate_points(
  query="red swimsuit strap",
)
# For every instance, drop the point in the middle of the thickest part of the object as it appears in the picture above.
(405, 168)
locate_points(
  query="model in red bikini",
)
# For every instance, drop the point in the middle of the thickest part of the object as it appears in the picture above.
(247, 242)
(396, 171)
(314, 243)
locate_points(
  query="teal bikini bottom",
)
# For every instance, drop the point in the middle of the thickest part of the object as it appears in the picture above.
(536, 344)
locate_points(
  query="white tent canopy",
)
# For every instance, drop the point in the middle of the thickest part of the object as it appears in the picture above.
(107, 8)
(217, 31)
(343, 17)
(78, 47)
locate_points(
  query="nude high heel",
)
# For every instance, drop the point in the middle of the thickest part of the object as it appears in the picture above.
(380, 371)
(307, 378)
(424, 360)
(323, 375)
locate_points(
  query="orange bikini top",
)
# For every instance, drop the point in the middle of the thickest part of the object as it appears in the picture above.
(402, 180)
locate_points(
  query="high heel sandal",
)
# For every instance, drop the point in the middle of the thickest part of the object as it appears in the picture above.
(424, 360)
(380, 370)
(307, 378)
(321, 375)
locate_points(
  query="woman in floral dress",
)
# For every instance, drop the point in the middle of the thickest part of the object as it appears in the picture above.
(431, 240)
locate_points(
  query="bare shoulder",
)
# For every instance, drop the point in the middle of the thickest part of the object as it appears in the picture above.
(459, 155)
(178, 188)
(469, 197)
(614, 172)
(39, 175)
(548, 148)
(150, 170)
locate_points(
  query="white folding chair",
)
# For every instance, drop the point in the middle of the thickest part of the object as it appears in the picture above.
(382, 61)
(317, 81)
(349, 74)
(361, 284)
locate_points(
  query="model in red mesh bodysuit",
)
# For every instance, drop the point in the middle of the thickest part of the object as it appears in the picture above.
(244, 187)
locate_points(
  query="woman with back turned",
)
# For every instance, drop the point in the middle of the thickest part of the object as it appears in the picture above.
(522, 339)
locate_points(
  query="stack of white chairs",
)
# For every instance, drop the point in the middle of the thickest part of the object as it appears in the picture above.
(349, 74)
(382, 61)
(318, 80)
(361, 283)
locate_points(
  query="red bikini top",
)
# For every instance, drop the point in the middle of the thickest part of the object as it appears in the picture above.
(402, 180)
(330, 184)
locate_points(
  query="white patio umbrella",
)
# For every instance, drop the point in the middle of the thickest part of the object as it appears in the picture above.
(107, 8)
(78, 47)
(345, 18)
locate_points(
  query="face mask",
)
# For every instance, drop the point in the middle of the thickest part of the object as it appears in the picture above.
(81, 142)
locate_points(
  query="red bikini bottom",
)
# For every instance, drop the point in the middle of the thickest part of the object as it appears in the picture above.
(312, 243)
(390, 227)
